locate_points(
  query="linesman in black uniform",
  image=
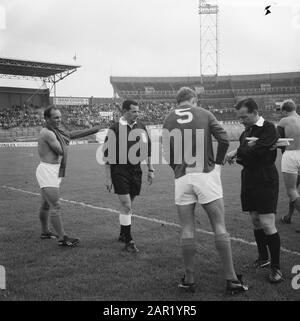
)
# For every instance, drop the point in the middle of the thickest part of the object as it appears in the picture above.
(259, 183)
(126, 145)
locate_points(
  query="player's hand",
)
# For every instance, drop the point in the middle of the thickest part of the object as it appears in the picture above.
(150, 177)
(108, 184)
(230, 158)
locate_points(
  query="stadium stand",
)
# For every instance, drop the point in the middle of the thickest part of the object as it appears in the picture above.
(155, 96)
(212, 90)
(18, 116)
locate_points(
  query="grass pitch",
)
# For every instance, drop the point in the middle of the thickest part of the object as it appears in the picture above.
(99, 269)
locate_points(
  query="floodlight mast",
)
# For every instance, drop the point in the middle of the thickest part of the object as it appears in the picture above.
(209, 46)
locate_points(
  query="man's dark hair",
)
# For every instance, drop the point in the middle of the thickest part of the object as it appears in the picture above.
(127, 103)
(47, 111)
(288, 105)
(249, 103)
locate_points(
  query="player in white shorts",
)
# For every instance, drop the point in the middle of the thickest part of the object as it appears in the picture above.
(52, 149)
(289, 127)
(47, 175)
(199, 188)
(198, 180)
(290, 161)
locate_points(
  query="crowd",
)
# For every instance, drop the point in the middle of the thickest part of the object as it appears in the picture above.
(86, 116)
(80, 116)
(18, 116)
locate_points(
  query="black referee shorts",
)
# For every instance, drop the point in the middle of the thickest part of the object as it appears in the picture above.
(259, 191)
(126, 179)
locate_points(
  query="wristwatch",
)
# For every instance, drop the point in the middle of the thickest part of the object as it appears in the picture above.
(151, 170)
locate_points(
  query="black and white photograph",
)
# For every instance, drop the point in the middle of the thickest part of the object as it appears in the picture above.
(149, 153)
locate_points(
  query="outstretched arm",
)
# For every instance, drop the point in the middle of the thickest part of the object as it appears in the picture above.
(84, 132)
(108, 181)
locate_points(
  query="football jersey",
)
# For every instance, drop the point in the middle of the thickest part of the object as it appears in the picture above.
(187, 140)
(118, 150)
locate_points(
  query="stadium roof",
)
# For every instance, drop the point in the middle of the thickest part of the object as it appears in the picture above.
(27, 68)
(250, 77)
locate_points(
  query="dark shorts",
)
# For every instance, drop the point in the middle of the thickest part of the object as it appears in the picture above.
(126, 179)
(259, 191)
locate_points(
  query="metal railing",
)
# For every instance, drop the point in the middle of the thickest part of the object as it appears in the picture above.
(19, 133)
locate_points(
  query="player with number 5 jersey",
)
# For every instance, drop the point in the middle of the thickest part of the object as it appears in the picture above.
(187, 147)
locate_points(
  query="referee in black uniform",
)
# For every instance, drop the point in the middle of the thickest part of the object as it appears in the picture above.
(127, 144)
(259, 183)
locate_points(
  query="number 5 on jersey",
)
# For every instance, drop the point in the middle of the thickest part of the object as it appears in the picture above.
(184, 113)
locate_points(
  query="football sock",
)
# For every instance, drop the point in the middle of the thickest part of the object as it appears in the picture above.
(57, 223)
(188, 252)
(44, 219)
(291, 209)
(261, 242)
(224, 248)
(127, 233)
(297, 204)
(273, 242)
(125, 222)
(122, 230)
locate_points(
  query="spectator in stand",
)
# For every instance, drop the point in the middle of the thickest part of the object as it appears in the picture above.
(82, 116)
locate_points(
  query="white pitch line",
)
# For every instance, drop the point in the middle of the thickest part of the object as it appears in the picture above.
(144, 218)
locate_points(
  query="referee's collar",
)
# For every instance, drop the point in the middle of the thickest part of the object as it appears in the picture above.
(124, 122)
(260, 122)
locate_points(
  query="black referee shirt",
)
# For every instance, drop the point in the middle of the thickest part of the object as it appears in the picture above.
(121, 131)
(261, 154)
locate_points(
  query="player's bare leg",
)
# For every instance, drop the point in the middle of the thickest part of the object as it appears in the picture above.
(51, 195)
(187, 221)
(261, 241)
(215, 212)
(44, 214)
(125, 222)
(44, 219)
(292, 191)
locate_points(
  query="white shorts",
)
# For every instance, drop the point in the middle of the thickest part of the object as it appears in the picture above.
(47, 175)
(199, 187)
(290, 162)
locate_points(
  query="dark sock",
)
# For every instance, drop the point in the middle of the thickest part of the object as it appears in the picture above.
(260, 238)
(274, 248)
(122, 230)
(291, 209)
(127, 233)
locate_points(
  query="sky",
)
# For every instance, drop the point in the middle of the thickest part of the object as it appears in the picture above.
(145, 38)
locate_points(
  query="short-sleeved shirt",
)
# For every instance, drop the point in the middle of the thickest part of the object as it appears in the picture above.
(128, 140)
